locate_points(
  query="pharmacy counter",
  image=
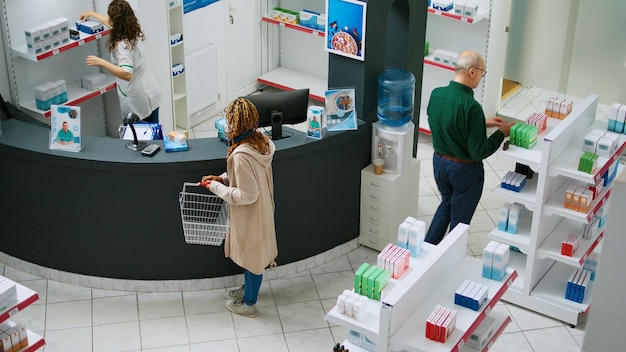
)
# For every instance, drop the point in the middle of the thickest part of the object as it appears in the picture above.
(110, 212)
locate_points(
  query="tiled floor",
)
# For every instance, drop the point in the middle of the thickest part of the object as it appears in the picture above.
(73, 318)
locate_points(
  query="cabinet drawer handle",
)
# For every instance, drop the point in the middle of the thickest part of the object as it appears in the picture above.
(375, 184)
(372, 241)
(373, 207)
(374, 219)
(373, 231)
(374, 196)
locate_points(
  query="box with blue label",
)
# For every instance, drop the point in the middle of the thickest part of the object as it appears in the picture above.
(89, 27)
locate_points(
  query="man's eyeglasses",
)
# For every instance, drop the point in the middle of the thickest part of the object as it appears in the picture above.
(483, 72)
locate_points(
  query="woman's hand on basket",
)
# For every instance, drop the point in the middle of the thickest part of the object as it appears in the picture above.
(206, 180)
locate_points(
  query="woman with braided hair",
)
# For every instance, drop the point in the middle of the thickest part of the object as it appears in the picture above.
(248, 187)
(136, 87)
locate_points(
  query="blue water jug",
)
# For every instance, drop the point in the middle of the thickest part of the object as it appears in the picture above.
(396, 94)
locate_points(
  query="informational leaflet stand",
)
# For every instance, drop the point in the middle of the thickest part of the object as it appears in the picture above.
(340, 111)
(145, 132)
(65, 128)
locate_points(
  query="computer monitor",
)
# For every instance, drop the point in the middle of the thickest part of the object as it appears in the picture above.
(284, 107)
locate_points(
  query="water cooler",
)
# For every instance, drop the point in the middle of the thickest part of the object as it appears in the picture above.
(392, 134)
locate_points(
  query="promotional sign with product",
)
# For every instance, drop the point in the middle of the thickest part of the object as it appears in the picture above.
(340, 112)
(345, 28)
(65, 128)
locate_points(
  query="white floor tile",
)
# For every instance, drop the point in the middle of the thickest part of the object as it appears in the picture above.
(210, 327)
(117, 337)
(293, 290)
(164, 332)
(264, 343)
(331, 285)
(69, 340)
(551, 339)
(302, 316)
(113, 310)
(160, 305)
(68, 315)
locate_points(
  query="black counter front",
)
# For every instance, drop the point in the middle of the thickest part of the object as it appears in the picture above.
(110, 212)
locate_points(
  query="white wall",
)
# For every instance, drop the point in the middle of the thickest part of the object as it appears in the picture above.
(598, 62)
(537, 43)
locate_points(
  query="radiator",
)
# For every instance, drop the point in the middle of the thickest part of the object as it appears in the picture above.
(201, 72)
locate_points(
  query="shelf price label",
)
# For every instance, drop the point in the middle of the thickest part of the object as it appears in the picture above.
(464, 19)
(281, 24)
(103, 90)
(14, 311)
(81, 42)
(56, 52)
(487, 310)
(99, 35)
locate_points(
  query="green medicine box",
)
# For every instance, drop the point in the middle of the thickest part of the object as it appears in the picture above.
(380, 282)
(358, 277)
(371, 281)
(365, 289)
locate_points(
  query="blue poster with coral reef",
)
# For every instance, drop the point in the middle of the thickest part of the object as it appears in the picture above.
(345, 28)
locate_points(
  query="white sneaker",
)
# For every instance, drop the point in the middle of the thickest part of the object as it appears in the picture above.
(234, 294)
(240, 307)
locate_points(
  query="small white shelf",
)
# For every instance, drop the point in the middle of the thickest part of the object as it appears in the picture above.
(526, 196)
(553, 285)
(567, 163)
(430, 60)
(287, 79)
(296, 27)
(75, 96)
(25, 297)
(531, 157)
(22, 51)
(521, 239)
(551, 247)
(482, 14)
(554, 206)
(412, 337)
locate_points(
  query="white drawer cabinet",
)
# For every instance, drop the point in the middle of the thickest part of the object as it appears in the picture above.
(386, 200)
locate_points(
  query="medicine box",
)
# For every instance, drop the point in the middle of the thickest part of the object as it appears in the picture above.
(488, 258)
(443, 5)
(591, 142)
(605, 147)
(471, 10)
(308, 19)
(613, 116)
(8, 293)
(503, 217)
(621, 118)
(459, 8)
(500, 262)
(176, 38)
(482, 334)
(177, 69)
(89, 26)
(417, 234)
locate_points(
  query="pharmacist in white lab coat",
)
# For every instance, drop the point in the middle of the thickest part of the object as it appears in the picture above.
(136, 87)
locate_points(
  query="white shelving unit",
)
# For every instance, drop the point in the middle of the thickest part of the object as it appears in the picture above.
(543, 270)
(66, 62)
(296, 53)
(398, 321)
(386, 200)
(485, 33)
(159, 21)
(25, 297)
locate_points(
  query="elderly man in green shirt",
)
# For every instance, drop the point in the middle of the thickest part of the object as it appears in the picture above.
(459, 133)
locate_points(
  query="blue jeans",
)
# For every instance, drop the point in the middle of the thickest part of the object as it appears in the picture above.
(461, 186)
(251, 287)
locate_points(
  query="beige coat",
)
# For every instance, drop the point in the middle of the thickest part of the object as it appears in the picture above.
(249, 190)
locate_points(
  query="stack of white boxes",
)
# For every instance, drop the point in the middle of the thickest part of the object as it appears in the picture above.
(50, 93)
(47, 36)
(495, 260)
(411, 235)
(93, 81)
(8, 294)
